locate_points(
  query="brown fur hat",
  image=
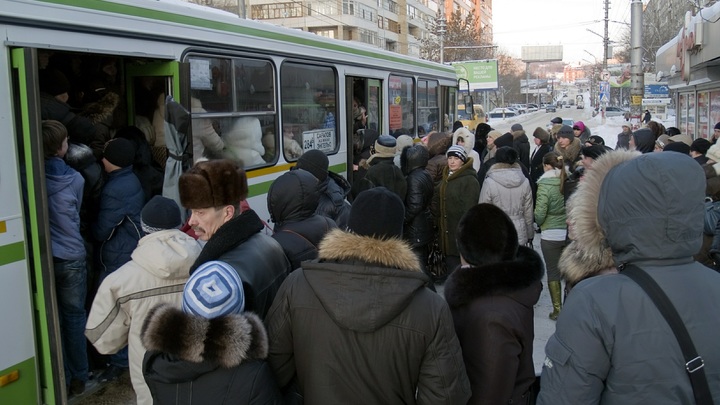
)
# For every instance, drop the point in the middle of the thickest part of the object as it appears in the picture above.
(213, 183)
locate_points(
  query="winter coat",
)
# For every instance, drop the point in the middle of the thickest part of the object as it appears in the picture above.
(80, 129)
(156, 274)
(550, 202)
(100, 114)
(118, 222)
(507, 188)
(611, 345)
(588, 255)
(258, 259)
(214, 361)
(584, 136)
(438, 144)
(418, 228)
(80, 157)
(383, 172)
(623, 140)
(146, 169)
(206, 142)
(571, 154)
(65, 192)
(365, 299)
(492, 309)
(455, 194)
(536, 162)
(333, 203)
(292, 205)
(522, 146)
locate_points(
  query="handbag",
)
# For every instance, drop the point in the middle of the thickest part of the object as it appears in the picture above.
(436, 262)
(694, 364)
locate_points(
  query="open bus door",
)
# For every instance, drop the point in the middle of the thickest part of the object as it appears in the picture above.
(31, 352)
(363, 95)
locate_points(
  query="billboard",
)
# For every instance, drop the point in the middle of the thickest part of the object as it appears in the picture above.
(481, 74)
(541, 53)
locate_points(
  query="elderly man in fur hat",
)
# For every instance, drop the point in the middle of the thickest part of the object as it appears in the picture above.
(212, 191)
(359, 326)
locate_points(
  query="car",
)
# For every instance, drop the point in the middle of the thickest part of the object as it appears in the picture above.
(521, 109)
(502, 113)
(612, 111)
(569, 122)
(532, 108)
(550, 108)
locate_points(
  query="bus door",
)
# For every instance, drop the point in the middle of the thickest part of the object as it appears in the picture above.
(31, 357)
(364, 111)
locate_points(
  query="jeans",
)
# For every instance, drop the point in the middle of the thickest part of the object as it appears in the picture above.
(71, 288)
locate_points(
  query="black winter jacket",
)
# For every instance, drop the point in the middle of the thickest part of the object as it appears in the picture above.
(418, 229)
(194, 360)
(333, 203)
(522, 146)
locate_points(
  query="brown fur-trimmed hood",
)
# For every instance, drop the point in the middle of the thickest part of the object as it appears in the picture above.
(345, 246)
(102, 110)
(589, 254)
(227, 340)
(510, 277)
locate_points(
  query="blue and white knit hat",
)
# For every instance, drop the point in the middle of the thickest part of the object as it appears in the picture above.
(214, 290)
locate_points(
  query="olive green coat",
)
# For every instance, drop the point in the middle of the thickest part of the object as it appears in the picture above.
(454, 195)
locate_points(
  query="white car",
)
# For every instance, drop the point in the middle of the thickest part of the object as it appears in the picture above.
(611, 111)
(519, 107)
(502, 113)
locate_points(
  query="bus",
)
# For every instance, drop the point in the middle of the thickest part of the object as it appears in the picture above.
(176, 68)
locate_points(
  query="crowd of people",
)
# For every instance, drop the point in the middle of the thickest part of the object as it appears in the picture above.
(337, 304)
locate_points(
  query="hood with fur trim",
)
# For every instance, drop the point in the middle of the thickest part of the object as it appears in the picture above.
(508, 278)
(467, 137)
(226, 341)
(589, 254)
(102, 110)
(362, 282)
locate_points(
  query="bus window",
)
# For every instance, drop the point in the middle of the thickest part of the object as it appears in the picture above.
(401, 105)
(309, 115)
(233, 117)
(428, 110)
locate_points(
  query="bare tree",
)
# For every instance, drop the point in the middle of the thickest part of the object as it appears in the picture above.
(460, 32)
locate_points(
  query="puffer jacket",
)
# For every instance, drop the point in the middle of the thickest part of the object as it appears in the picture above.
(611, 345)
(333, 199)
(418, 228)
(292, 202)
(65, 191)
(492, 308)
(118, 222)
(365, 298)
(453, 196)
(587, 254)
(507, 187)
(214, 361)
(550, 202)
(156, 274)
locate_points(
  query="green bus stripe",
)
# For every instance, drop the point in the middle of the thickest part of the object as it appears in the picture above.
(200, 22)
(255, 190)
(11, 253)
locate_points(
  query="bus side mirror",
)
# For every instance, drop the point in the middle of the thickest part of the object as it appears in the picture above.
(469, 105)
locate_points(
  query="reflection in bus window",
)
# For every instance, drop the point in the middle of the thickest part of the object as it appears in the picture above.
(237, 122)
(401, 105)
(308, 109)
(427, 107)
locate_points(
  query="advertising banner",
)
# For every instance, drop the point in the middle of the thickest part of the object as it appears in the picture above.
(482, 74)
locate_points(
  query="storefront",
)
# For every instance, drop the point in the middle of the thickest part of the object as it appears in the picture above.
(690, 63)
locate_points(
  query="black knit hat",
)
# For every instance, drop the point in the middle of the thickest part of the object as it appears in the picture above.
(54, 82)
(504, 140)
(160, 213)
(717, 126)
(556, 120)
(497, 243)
(566, 132)
(315, 162)
(378, 213)
(120, 152)
(594, 151)
(506, 154)
(700, 145)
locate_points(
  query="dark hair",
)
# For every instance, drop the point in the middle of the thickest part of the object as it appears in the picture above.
(53, 134)
(506, 154)
(556, 161)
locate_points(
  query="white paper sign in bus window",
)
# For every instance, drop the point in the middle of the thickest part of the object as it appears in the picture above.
(320, 139)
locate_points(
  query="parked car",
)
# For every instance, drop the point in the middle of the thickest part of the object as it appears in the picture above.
(550, 108)
(521, 109)
(532, 107)
(502, 113)
(612, 111)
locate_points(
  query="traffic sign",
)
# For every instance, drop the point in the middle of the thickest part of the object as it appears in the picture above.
(604, 93)
(605, 75)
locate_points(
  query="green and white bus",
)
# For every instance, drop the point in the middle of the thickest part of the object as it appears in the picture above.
(224, 71)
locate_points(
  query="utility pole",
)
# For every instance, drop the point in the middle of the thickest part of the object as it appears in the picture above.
(606, 40)
(637, 80)
(442, 30)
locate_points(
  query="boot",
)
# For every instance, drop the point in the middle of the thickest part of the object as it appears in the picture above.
(556, 296)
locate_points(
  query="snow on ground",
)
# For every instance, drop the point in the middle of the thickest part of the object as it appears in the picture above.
(613, 126)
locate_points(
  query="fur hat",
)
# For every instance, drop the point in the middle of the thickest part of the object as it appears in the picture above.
(378, 213)
(504, 140)
(686, 139)
(213, 290)
(160, 213)
(457, 151)
(54, 82)
(482, 130)
(120, 152)
(516, 127)
(700, 145)
(594, 151)
(541, 134)
(596, 140)
(714, 153)
(566, 132)
(315, 162)
(497, 243)
(402, 141)
(556, 120)
(385, 146)
(214, 183)
(677, 147)
(506, 154)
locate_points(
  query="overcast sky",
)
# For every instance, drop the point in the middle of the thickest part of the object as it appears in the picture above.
(558, 22)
